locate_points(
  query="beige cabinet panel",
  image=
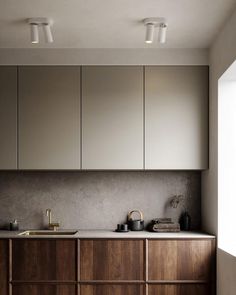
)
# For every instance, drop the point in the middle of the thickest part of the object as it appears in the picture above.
(49, 117)
(8, 117)
(112, 117)
(176, 117)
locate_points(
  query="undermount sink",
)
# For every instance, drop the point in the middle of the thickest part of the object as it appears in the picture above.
(47, 233)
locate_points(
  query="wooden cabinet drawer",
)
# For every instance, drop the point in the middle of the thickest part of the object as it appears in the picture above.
(35, 260)
(179, 289)
(180, 259)
(43, 289)
(3, 267)
(111, 289)
(112, 259)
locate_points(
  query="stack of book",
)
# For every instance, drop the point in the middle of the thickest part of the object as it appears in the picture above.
(163, 225)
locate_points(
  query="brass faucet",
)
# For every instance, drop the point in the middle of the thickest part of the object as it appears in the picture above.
(52, 225)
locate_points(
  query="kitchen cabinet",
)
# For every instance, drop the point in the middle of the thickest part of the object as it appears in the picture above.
(44, 260)
(181, 260)
(102, 266)
(8, 117)
(49, 117)
(179, 289)
(128, 289)
(43, 289)
(121, 117)
(4, 269)
(111, 260)
(176, 117)
(112, 117)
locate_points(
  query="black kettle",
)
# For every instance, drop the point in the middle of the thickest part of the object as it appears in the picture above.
(135, 224)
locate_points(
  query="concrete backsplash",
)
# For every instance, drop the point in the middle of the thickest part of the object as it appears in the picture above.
(95, 200)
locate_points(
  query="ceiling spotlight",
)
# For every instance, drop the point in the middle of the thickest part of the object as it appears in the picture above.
(34, 33)
(162, 33)
(37, 22)
(47, 33)
(149, 33)
(151, 24)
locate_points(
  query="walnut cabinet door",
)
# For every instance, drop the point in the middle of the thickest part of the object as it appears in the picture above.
(4, 267)
(181, 260)
(111, 259)
(43, 289)
(44, 260)
(113, 289)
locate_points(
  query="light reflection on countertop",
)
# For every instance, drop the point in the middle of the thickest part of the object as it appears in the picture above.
(108, 234)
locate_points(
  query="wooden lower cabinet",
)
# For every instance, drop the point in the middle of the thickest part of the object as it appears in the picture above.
(43, 289)
(179, 289)
(44, 260)
(111, 289)
(181, 259)
(112, 259)
(107, 267)
(4, 262)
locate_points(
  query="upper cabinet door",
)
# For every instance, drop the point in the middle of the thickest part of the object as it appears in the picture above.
(49, 117)
(176, 117)
(112, 117)
(8, 117)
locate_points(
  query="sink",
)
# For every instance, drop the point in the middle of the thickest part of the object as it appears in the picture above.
(47, 233)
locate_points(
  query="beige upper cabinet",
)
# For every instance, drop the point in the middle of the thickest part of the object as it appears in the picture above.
(8, 117)
(112, 117)
(176, 117)
(49, 117)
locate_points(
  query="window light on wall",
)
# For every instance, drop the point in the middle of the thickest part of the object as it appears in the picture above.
(227, 160)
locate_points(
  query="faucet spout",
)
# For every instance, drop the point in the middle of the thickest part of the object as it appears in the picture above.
(51, 225)
(49, 215)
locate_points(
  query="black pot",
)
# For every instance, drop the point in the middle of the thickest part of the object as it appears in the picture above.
(137, 224)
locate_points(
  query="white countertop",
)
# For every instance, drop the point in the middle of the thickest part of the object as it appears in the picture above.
(111, 234)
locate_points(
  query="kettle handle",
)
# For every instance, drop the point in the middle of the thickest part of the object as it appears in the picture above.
(135, 211)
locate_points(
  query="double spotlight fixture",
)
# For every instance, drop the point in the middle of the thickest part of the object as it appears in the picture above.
(151, 24)
(45, 24)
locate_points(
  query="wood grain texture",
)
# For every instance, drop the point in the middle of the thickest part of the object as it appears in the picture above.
(162, 260)
(181, 289)
(43, 289)
(4, 267)
(111, 289)
(194, 261)
(36, 260)
(112, 260)
(180, 260)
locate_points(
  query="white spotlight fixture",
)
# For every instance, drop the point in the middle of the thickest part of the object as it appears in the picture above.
(47, 33)
(34, 33)
(151, 24)
(43, 22)
(162, 33)
(149, 33)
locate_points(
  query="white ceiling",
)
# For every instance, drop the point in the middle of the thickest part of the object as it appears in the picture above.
(113, 23)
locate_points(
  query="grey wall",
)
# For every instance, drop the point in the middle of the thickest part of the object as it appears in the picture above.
(222, 54)
(104, 56)
(95, 200)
